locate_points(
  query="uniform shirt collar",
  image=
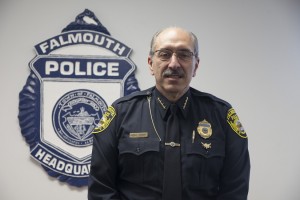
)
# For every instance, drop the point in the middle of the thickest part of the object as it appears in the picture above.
(164, 104)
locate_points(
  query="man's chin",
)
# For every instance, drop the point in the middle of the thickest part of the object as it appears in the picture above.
(172, 89)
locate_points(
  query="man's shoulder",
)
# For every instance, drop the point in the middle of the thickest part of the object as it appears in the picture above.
(209, 97)
(134, 96)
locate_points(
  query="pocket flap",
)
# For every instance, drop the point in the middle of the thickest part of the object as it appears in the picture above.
(138, 146)
(214, 148)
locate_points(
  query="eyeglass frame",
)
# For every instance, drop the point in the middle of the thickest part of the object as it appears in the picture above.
(176, 54)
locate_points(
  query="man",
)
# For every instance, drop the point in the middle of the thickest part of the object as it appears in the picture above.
(171, 141)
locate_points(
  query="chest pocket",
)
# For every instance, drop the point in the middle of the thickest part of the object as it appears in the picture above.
(204, 161)
(139, 159)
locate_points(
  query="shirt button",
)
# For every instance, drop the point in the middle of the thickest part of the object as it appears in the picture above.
(138, 149)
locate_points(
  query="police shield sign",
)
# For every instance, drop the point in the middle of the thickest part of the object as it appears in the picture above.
(74, 77)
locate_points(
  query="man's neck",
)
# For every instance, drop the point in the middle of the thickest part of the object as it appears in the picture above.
(173, 96)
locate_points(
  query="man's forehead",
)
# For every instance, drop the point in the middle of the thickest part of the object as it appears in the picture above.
(174, 38)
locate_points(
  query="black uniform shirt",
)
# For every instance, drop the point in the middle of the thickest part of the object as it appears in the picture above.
(128, 149)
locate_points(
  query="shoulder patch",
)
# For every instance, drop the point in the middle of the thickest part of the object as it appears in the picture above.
(107, 117)
(234, 122)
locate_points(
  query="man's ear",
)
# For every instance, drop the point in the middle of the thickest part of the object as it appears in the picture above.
(150, 65)
(196, 67)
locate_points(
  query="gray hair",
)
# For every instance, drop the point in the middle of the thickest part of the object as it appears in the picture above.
(192, 35)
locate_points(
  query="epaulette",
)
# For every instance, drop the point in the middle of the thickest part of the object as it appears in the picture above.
(209, 96)
(134, 95)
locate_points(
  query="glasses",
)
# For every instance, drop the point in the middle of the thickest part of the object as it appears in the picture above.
(166, 54)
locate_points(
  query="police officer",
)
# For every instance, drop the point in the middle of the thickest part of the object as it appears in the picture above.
(171, 141)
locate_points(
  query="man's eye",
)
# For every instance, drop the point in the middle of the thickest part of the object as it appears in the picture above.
(184, 54)
(164, 54)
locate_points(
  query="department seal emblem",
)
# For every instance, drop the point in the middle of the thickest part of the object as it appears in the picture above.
(73, 77)
(76, 114)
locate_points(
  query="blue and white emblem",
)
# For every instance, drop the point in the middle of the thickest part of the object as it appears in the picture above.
(73, 78)
(76, 114)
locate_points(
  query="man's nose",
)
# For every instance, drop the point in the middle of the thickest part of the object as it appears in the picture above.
(174, 62)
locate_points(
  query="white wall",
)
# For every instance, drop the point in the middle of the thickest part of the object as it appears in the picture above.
(249, 56)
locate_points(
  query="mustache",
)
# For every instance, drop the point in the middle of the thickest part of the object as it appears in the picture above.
(173, 72)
